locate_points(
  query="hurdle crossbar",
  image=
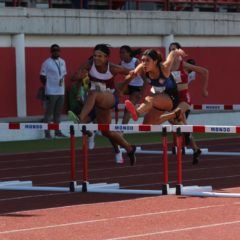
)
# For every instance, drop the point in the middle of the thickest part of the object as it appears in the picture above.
(107, 188)
(205, 107)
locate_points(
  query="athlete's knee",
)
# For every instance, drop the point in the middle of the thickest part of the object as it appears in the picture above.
(148, 99)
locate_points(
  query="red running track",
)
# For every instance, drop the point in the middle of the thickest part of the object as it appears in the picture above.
(51, 215)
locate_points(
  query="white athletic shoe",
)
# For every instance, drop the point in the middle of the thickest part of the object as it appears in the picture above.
(119, 158)
(91, 142)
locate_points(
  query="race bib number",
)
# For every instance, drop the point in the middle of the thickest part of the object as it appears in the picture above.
(191, 76)
(177, 76)
(98, 86)
(155, 90)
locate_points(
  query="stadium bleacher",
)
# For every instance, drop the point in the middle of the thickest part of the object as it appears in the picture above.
(167, 5)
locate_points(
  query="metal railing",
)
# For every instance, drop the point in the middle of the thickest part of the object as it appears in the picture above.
(166, 5)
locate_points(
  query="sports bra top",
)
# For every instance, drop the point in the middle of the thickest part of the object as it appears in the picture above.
(162, 83)
(103, 78)
(180, 76)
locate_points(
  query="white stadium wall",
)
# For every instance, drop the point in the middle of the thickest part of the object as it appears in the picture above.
(213, 39)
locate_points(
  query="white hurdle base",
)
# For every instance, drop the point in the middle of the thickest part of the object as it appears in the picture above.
(195, 189)
(28, 186)
(206, 191)
(208, 153)
(94, 188)
(211, 194)
(115, 188)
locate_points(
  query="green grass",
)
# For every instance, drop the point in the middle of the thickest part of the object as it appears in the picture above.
(63, 144)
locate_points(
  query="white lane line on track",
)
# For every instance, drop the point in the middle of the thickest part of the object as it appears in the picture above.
(112, 219)
(114, 168)
(31, 196)
(175, 230)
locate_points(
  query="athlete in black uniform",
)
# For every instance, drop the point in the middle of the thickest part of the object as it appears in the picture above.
(164, 94)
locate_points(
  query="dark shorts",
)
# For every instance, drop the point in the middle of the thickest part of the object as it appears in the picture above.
(131, 89)
(175, 100)
(116, 102)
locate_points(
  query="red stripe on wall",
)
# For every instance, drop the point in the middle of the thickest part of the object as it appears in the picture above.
(223, 83)
(223, 66)
(8, 102)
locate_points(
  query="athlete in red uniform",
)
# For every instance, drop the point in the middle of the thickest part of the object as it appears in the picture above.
(180, 69)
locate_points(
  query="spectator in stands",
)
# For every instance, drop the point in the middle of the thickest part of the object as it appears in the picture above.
(102, 94)
(135, 87)
(180, 71)
(52, 74)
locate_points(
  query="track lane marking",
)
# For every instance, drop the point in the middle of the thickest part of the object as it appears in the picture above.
(175, 230)
(111, 219)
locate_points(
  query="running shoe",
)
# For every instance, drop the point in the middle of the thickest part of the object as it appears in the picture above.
(196, 155)
(73, 117)
(131, 108)
(132, 156)
(119, 158)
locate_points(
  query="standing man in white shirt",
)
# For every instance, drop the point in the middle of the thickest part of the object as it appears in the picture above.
(53, 72)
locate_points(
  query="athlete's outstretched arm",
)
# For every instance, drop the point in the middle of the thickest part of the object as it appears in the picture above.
(81, 72)
(204, 75)
(167, 64)
(130, 76)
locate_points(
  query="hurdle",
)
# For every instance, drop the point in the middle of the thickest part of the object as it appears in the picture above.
(205, 191)
(203, 107)
(115, 187)
(28, 185)
(215, 107)
(85, 186)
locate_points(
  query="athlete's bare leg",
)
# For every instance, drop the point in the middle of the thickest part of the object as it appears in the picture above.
(103, 100)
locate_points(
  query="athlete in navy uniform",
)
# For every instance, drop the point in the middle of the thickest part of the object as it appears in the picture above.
(164, 94)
